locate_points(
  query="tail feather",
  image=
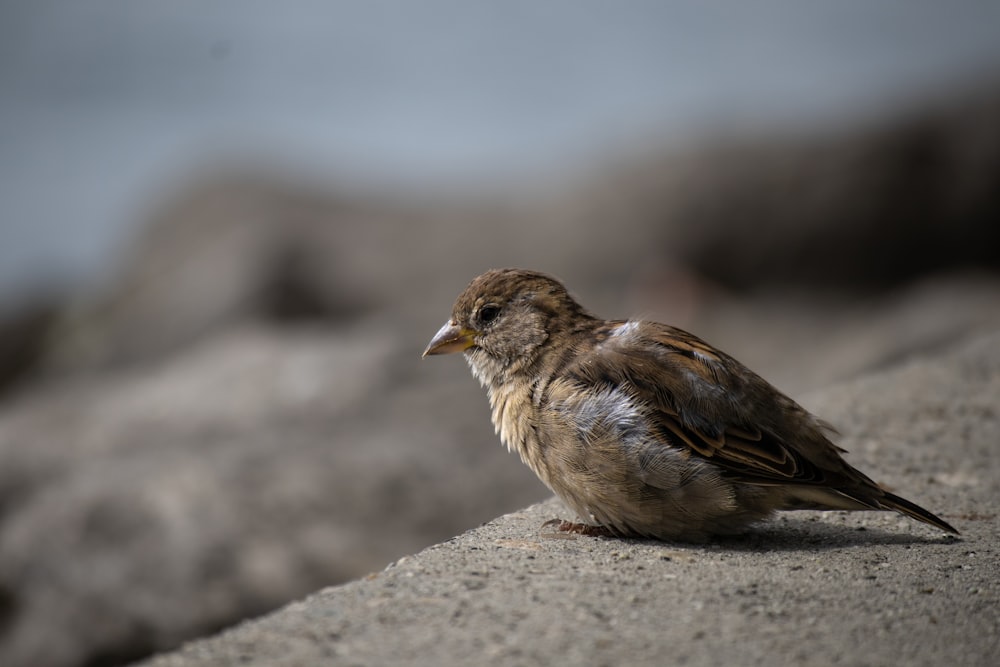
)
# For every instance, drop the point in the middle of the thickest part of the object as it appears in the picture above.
(891, 501)
(825, 498)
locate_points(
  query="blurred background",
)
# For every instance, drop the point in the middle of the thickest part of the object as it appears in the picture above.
(229, 229)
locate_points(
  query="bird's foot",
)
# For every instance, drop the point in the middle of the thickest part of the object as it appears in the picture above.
(579, 528)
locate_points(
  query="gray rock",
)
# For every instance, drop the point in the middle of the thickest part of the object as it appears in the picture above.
(862, 207)
(159, 501)
(809, 588)
(148, 506)
(151, 504)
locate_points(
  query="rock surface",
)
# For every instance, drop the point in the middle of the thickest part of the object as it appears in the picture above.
(808, 588)
(155, 505)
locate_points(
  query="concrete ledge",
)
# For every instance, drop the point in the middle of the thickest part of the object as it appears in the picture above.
(807, 588)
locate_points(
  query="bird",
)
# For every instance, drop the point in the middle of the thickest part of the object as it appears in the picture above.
(641, 428)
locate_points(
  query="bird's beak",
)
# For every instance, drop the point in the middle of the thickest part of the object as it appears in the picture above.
(451, 338)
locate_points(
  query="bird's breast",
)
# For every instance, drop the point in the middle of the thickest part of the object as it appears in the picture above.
(511, 414)
(515, 420)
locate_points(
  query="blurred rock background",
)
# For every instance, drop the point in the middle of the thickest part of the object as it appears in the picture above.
(230, 230)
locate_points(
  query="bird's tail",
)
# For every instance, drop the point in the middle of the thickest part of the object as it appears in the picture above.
(891, 501)
(821, 498)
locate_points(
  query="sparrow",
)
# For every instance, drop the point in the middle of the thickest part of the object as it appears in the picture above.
(641, 428)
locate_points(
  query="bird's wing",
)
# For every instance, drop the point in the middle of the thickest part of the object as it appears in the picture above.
(706, 402)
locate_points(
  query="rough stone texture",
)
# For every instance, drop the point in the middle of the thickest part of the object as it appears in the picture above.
(156, 505)
(808, 588)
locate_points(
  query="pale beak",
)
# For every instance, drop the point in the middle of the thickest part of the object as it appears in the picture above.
(451, 338)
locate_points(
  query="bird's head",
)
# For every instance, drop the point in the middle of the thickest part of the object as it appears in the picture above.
(503, 321)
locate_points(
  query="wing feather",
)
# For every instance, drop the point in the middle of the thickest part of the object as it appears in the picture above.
(707, 402)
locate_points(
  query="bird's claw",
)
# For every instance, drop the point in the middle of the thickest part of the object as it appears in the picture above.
(578, 528)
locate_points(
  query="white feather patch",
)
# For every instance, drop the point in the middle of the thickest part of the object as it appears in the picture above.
(608, 412)
(627, 330)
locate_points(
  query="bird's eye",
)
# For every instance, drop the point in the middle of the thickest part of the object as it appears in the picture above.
(488, 313)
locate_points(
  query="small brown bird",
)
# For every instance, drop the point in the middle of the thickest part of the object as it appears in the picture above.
(641, 428)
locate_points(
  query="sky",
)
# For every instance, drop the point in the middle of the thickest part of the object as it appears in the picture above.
(104, 105)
